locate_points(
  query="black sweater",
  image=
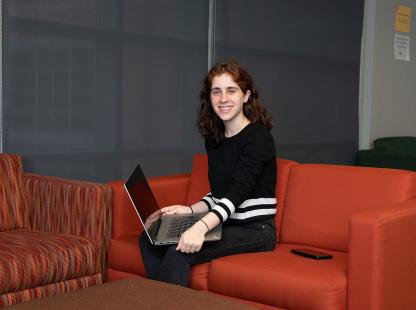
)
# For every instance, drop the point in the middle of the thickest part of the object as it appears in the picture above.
(242, 175)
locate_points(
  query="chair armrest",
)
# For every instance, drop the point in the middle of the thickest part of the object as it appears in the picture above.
(382, 255)
(168, 190)
(376, 158)
(70, 207)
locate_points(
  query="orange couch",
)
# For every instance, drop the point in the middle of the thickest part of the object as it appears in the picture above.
(364, 217)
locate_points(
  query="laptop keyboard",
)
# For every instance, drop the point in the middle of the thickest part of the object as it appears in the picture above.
(180, 224)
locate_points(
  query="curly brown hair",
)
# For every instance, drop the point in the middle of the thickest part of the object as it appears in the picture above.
(209, 124)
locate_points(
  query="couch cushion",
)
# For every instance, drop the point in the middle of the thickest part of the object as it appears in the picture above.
(31, 258)
(321, 199)
(283, 170)
(199, 183)
(124, 254)
(13, 199)
(282, 279)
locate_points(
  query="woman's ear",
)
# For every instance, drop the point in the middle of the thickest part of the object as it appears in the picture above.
(246, 96)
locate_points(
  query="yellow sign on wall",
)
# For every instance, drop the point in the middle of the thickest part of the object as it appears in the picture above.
(403, 18)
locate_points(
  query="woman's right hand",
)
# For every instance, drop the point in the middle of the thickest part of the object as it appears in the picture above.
(176, 209)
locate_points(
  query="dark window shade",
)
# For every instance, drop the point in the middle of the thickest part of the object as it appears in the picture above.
(304, 56)
(92, 87)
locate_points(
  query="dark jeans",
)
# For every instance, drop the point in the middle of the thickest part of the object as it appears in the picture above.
(165, 264)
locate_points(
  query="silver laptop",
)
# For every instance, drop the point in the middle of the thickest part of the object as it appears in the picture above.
(166, 229)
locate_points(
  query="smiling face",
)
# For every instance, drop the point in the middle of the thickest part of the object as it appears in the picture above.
(227, 100)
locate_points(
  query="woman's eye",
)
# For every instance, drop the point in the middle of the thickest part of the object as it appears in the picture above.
(215, 92)
(231, 91)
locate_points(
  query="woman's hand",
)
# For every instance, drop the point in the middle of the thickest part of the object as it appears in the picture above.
(176, 209)
(192, 239)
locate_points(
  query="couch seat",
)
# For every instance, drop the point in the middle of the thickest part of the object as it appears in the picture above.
(40, 258)
(282, 279)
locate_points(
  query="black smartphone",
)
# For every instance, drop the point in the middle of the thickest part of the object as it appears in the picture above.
(309, 253)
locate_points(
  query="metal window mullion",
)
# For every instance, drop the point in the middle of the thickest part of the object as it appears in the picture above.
(211, 33)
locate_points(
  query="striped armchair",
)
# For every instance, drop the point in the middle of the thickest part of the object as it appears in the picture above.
(54, 233)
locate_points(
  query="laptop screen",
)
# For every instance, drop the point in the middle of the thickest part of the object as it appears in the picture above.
(141, 194)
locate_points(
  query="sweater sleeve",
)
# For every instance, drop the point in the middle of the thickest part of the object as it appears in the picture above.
(258, 149)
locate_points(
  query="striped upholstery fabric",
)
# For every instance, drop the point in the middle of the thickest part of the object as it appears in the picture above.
(13, 199)
(71, 207)
(48, 290)
(54, 233)
(41, 258)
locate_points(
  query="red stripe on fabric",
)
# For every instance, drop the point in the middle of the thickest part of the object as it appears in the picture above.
(49, 290)
(40, 258)
(13, 199)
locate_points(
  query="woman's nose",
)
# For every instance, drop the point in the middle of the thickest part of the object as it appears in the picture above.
(223, 97)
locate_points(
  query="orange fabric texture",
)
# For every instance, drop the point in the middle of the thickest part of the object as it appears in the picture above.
(124, 254)
(382, 256)
(321, 199)
(170, 190)
(116, 275)
(56, 235)
(14, 211)
(73, 207)
(199, 276)
(283, 170)
(49, 290)
(282, 279)
(38, 256)
(199, 182)
(124, 217)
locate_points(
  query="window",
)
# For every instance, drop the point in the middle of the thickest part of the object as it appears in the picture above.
(92, 87)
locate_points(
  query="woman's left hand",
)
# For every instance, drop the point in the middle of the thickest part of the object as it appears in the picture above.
(176, 209)
(192, 239)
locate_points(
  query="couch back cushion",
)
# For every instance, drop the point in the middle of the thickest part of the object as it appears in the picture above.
(321, 199)
(199, 182)
(284, 167)
(13, 199)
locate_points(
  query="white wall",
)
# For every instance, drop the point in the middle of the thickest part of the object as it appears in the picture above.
(388, 86)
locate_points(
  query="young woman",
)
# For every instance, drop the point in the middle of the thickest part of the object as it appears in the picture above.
(242, 175)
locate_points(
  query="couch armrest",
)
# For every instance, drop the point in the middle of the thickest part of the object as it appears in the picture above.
(382, 255)
(71, 207)
(168, 190)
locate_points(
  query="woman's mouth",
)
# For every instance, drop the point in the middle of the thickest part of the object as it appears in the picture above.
(224, 109)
